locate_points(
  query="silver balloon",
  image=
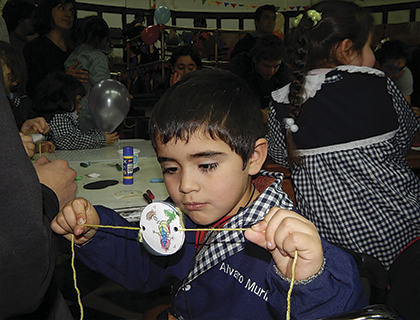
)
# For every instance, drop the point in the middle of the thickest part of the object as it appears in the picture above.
(109, 104)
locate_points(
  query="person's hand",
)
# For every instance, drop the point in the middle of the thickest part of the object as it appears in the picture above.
(28, 144)
(111, 138)
(58, 176)
(416, 111)
(175, 77)
(79, 74)
(46, 146)
(35, 125)
(71, 219)
(282, 232)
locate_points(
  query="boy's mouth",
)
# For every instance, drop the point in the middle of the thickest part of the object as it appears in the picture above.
(192, 206)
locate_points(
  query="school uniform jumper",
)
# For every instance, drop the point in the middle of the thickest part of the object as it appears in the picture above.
(230, 277)
(354, 184)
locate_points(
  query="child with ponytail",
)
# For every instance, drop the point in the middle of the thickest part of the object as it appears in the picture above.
(343, 129)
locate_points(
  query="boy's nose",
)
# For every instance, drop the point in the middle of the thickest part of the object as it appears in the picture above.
(187, 184)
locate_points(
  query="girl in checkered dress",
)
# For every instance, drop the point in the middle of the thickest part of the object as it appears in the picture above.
(343, 129)
(58, 101)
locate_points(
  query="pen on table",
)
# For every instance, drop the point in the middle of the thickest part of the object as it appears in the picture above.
(150, 194)
(147, 198)
(156, 180)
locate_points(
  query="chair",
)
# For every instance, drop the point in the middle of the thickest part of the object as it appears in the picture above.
(369, 312)
(404, 279)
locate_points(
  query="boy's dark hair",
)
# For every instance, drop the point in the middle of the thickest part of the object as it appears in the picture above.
(393, 50)
(43, 22)
(213, 101)
(186, 51)
(16, 10)
(15, 60)
(268, 48)
(92, 30)
(266, 7)
(56, 93)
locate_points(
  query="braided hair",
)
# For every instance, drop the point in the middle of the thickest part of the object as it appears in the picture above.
(314, 45)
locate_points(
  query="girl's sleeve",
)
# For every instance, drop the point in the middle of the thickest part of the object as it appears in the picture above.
(66, 135)
(408, 122)
(276, 139)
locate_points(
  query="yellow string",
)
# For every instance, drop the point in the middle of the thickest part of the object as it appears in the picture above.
(112, 227)
(79, 300)
(215, 229)
(179, 229)
(292, 281)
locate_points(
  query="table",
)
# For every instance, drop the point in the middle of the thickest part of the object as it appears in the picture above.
(125, 199)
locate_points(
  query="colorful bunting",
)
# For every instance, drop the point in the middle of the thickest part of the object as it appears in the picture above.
(246, 6)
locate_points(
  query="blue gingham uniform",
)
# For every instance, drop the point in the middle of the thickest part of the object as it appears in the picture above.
(65, 134)
(355, 184)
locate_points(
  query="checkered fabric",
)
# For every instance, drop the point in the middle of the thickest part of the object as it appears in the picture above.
(361, 194)
(66, 134)
(220, 245)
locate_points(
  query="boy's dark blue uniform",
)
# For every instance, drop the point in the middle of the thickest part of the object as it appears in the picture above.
(230, 277)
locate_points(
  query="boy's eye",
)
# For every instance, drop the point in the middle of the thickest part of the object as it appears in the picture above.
(208, 166)
(169, 170)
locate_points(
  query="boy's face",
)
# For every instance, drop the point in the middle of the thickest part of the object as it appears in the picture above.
(204, 177)
(393, 68)
(266, 69)
(267, 22)
(78, 104)
(9, 83)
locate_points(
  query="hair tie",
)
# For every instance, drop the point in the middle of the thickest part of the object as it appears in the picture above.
(314, 15)
(289, 124)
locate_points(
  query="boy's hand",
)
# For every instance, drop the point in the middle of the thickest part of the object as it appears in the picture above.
(46, 147)
(111, 138)
(70, 220)
(282, 232)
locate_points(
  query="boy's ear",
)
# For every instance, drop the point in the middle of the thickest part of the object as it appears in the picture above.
(258, 157)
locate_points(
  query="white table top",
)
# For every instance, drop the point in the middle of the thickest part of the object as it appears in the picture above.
(104, 154)
(126, 199)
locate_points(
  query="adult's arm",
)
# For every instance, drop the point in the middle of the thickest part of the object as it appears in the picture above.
(27, 245)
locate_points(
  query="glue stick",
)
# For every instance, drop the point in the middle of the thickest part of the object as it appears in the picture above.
(128, 165)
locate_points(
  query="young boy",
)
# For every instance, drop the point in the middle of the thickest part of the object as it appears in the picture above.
(208, 135)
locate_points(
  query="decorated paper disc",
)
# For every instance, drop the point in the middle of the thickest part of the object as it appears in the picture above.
(160, 227)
